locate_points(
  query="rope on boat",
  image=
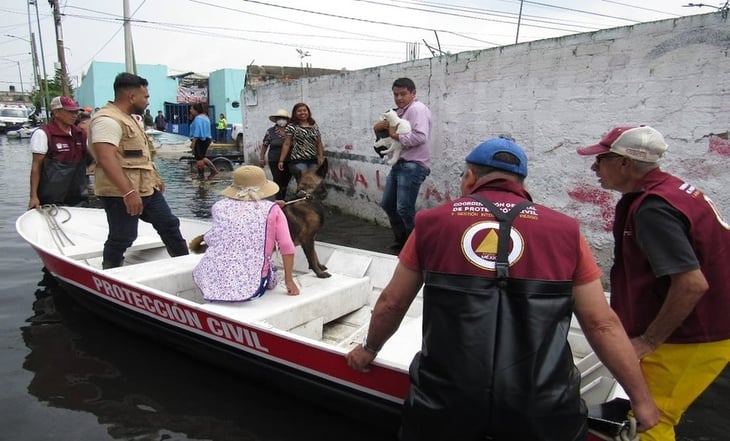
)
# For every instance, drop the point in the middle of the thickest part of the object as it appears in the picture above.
(628, 432)
(49, 213)
(298, 200)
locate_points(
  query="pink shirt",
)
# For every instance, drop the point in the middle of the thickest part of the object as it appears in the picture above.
(417, 144)
(277, 231)
(241, 240)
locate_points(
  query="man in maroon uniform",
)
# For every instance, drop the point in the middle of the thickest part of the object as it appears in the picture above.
(669, 281)
(58, 170)
(501, 277)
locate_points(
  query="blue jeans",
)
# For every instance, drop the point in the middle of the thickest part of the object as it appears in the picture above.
(123, 227)
(296, 168)
(400, 193)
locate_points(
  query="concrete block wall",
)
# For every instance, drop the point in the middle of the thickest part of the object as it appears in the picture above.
(551, 95)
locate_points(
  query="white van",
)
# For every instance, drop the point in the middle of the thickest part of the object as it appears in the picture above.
(13, 116)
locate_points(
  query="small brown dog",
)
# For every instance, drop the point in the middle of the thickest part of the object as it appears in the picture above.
(305, 216)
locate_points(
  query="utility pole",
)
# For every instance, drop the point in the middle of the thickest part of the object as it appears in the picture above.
(36, 68)
(46, 99)
(519, 19)
(65, 88)
(129, 61)
(34, 54)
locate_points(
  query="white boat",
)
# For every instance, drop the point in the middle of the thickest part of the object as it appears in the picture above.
(153, 132)
(169, 144)
(22, 132)
(295, 342)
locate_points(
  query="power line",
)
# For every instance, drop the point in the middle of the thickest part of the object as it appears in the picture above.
(363, 20)
(439, 11)
(628, 5)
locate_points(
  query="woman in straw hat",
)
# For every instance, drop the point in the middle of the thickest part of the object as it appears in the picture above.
(273, 142)
(246, 227)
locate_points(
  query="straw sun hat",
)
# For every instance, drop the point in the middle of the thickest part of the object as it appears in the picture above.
(250, 184)
(281, 113)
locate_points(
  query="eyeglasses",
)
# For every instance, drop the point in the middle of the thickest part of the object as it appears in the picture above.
(600, 158)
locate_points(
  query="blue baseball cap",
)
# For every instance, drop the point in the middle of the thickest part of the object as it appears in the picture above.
(483, 154)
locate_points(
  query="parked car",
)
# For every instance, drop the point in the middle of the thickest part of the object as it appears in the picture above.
(237, 135)
(13, 116)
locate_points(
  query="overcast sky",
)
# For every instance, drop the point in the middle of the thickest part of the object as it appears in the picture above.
(207, 35)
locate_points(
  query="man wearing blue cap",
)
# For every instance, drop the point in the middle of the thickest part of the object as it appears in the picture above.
(501, 278)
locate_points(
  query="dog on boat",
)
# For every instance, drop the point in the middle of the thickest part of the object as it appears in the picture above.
(385, 144)
(304, 215)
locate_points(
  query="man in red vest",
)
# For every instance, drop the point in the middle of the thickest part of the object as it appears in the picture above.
(58, 170)
(501, 278)
(669, 281)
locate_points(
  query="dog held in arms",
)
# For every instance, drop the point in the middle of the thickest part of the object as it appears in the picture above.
(304, 214)
(384, 144)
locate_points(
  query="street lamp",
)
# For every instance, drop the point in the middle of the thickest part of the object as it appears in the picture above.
(302, 54)
(20, 72)
(35, 79)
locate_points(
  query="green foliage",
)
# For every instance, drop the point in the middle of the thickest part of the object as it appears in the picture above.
(54, 89)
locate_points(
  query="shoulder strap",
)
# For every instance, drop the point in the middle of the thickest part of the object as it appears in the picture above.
(505, 226)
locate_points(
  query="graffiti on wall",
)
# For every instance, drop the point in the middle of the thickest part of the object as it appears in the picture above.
(352, 179)
(720, 145)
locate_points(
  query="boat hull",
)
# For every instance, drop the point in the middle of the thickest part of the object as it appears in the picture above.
(329, 395)
(307, 371)
(269, 339)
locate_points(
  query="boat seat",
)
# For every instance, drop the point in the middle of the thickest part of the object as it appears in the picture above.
(158, 268)
(96, 249)
(320, 301)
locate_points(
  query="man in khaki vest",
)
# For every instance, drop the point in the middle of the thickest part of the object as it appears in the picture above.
(126, 180)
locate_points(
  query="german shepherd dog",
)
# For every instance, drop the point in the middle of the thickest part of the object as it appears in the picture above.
(304, 214)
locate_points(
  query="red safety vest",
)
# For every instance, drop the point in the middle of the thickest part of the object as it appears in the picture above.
(637, 294)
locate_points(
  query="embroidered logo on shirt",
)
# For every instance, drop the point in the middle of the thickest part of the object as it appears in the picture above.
(479, 245)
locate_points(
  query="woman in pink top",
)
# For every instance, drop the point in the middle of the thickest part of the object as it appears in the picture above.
(246, 228)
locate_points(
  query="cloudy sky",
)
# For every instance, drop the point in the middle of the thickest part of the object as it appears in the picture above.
(206, 35)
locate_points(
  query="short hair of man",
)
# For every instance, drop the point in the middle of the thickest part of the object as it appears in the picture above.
(125, 81)
(404, 82)
(198, 107)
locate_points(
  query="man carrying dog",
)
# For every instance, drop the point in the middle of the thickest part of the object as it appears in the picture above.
(501, 277)
(126, 179)
(406, 176)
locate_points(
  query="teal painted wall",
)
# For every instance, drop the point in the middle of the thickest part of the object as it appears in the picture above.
(224, 88)
(97, 86)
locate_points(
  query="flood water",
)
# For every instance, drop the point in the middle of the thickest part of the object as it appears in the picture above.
(70, 376)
